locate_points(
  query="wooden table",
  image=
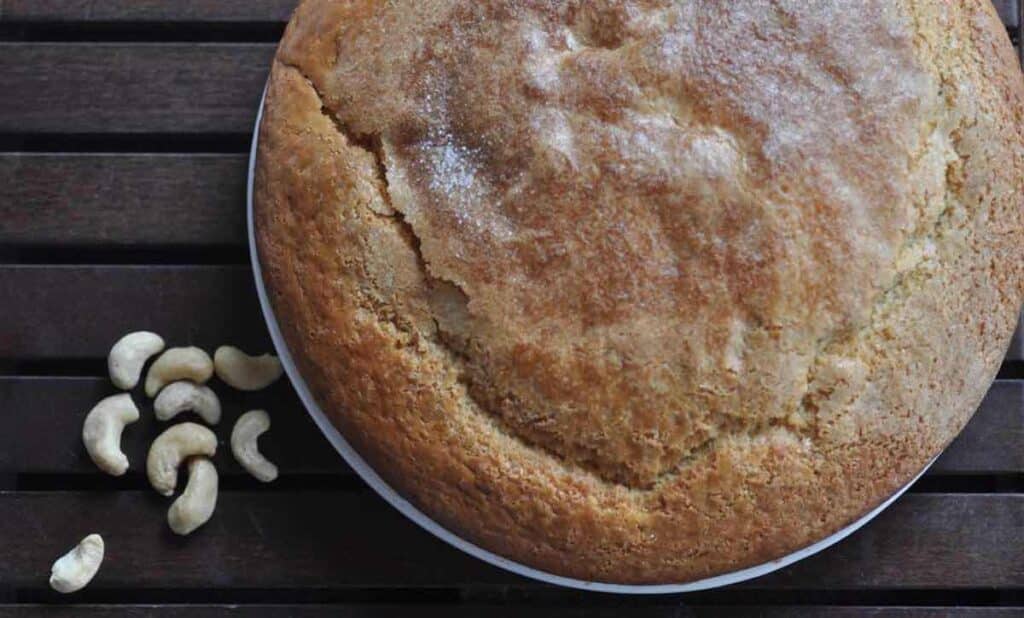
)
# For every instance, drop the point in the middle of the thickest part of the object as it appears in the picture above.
(124, 126)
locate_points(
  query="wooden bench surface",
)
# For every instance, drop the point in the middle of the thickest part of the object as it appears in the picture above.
(124, 131)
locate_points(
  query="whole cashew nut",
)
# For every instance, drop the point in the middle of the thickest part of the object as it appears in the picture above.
(101, 432)
(195, 505)
(244, 372)
(178, 364)
(178, 397)
(171, 448)
(75, 569)
(244, 435)
(129, 354)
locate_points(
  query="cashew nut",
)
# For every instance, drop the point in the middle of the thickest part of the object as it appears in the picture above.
(178, 364)
(75, 569)
(195, 505)
(171, 447)
(102, 429)
(244, 372)
(178, 397)
(247, 430)
(128, 356)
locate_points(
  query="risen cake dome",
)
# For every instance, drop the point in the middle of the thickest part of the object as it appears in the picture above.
(644, 291)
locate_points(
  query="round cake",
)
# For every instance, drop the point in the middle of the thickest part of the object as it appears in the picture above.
(644, 291)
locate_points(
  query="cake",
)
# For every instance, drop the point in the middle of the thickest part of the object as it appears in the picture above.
(644, 291)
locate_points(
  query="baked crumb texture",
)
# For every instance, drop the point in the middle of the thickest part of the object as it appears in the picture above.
(644, 292)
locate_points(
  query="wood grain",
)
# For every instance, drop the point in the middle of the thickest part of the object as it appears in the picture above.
(259, 539)
(41, 423)
(138, 201)
(205, 11)
(922, 541)
(834, 611)
(1016, 350)
(335, 540)
(615, 608)
(78, 312)
(41, 417)
(287, 538)
(126, 88)
(433, 610)
(1009, 12)
(118, 200)
(993, 441)
(229, 11)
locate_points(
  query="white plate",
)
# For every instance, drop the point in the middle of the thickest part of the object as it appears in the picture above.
(381, 487)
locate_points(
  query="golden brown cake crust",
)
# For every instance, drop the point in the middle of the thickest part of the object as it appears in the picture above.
(644, 291)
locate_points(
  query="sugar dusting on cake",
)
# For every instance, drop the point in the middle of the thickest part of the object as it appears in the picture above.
(452, 173)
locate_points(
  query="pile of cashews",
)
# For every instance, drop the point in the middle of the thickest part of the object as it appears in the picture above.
(177, 380)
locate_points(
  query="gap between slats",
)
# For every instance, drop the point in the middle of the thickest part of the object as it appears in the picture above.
(509, 601)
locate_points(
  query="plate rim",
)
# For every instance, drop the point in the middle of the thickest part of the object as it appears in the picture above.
(411, 512)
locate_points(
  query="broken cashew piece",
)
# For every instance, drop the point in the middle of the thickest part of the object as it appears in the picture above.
(101, 432)
(195, 505)
(171, 448)
(177, 397)
(175, 364)
(244, 372)
(244, 435)
(129, 354)
(75, 569)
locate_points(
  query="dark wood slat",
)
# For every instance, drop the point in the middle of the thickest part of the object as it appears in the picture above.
(923, 541)
(147, 10)
(344, 611)
(255, 540)
(333, 540)
(858, 612)
(202, 305)
(351, 611)
(114, 200)
(1016, 350)
(40, 421)
(144, 200)
(220, 11)
(993, 442)
(615, 608)
(129, 88)
(1009, 11)
(134, 199)
(835, 611)
(77, 312)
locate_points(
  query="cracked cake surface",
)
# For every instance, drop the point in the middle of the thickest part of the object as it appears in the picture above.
(644, 291)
